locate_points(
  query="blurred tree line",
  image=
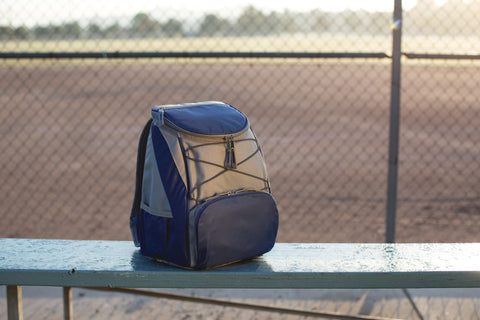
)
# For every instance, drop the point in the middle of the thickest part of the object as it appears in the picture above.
(453, 17)
(250, 22)
(426, 17)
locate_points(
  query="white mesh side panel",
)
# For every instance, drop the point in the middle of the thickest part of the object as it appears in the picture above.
(171, 136)
(154, 199)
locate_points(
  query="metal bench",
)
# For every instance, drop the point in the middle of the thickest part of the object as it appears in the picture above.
(118, 264)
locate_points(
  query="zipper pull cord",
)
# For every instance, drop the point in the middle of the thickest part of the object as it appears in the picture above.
(230, 161)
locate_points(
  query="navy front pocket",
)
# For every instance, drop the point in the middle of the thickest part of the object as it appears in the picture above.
(232, 228)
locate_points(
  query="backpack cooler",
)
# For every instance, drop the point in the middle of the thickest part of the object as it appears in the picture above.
(202, 196)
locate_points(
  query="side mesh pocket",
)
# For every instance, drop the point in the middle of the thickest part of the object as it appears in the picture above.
(154, 197)
(153, 232)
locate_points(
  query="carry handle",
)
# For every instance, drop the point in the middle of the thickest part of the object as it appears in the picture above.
(142, 147)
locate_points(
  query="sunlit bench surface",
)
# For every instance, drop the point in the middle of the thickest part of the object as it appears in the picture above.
(112, 264)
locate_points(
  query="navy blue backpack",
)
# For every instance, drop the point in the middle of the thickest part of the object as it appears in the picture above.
(202, 196)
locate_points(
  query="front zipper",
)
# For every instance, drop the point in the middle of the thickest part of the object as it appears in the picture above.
(230, 161)
(225, 194)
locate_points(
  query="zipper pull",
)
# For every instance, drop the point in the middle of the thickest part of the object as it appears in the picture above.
(230, 161)
(162, 116)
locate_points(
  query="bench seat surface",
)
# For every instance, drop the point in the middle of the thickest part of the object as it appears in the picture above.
(88, 263)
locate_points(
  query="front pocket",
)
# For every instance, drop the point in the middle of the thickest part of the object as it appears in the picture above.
(232, 228)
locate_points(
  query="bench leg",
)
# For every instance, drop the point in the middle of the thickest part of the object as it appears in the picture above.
(14, 303)
(67, 303)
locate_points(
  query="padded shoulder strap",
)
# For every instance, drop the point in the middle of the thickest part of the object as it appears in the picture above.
(142, 147)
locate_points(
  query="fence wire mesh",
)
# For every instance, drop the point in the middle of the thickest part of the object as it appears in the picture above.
(440, 142)
(70, 126)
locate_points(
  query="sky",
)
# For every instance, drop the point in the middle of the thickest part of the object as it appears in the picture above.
(43, 12)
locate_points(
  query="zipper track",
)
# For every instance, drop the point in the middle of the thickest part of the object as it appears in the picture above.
(226, 193)
(224, 196)
(175, 127)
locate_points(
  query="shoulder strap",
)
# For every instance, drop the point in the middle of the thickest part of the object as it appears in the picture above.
(142, 147)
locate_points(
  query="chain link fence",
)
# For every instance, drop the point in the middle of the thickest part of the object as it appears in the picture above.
(440, 141)
(78, 84)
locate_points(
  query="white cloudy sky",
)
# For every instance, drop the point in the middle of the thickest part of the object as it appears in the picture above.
(41, 12)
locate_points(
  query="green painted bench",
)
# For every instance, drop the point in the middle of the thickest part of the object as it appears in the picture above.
(118, 264)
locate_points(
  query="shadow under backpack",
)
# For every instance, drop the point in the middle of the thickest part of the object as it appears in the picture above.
(202, 196)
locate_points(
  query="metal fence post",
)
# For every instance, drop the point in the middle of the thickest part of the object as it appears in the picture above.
(394, 122)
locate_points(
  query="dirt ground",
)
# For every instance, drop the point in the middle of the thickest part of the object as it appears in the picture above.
(448, 304)
(69, 135)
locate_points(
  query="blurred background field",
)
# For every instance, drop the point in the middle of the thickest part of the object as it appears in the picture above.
(300, 42)
(69, 127)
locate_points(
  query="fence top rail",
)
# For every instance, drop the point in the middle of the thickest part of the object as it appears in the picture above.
(187, 54)
(217, 55)
(39, 262)
(441, 56)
